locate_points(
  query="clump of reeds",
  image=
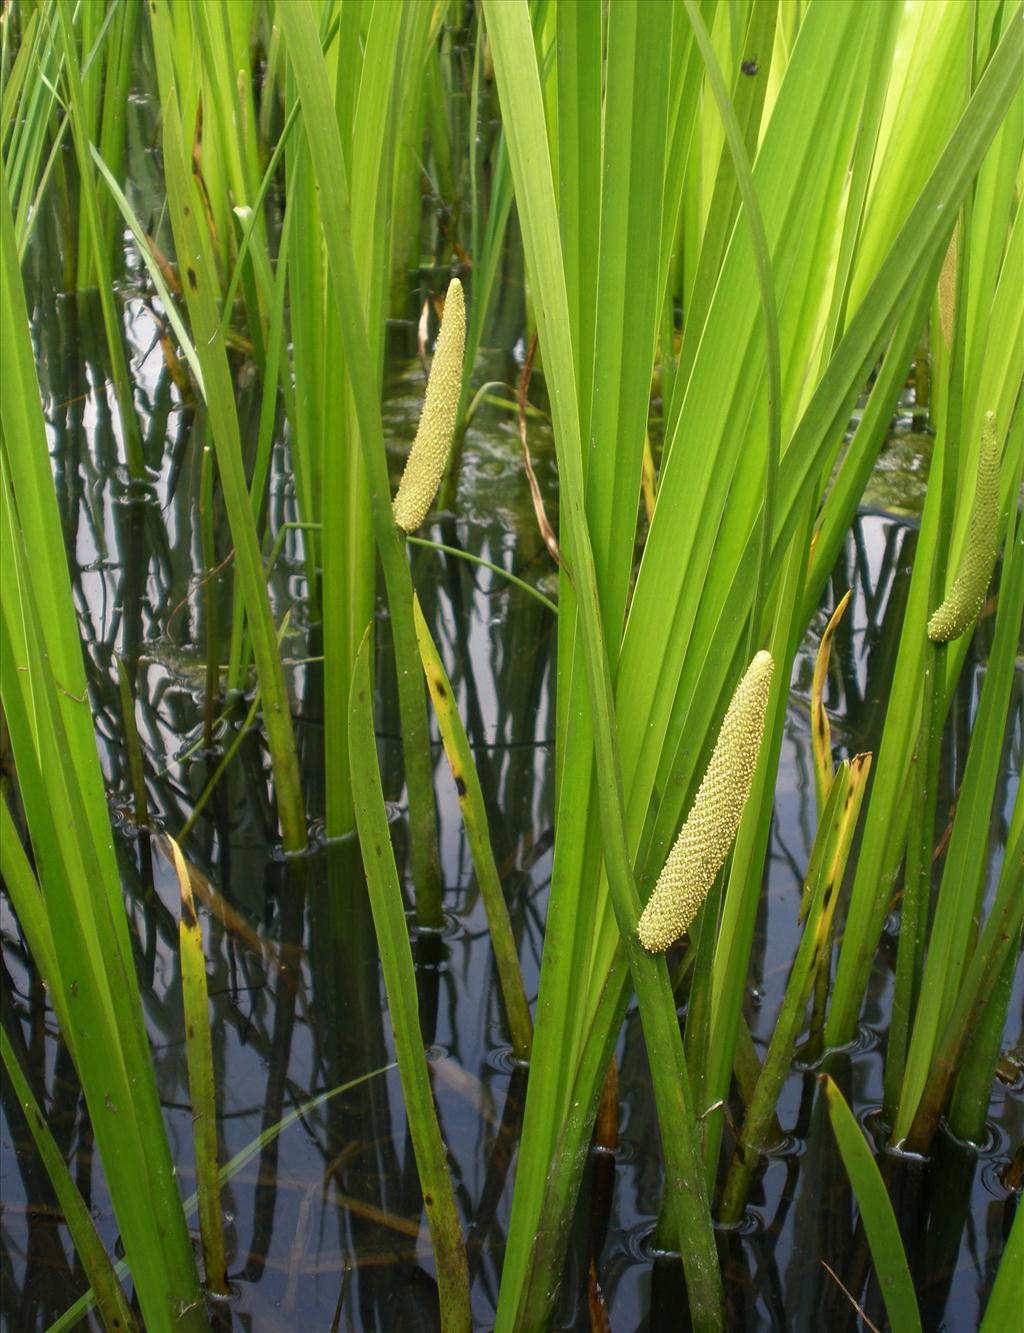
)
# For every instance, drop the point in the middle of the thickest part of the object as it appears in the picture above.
(428, 456)
(966, 597)
(706, 837)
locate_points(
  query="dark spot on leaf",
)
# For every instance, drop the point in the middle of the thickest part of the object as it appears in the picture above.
(188, 911)
(428, 1199)
(188, 211)
(749, 67)
(460, 784)
(191, 1032)
(377, 849)
(192, 278)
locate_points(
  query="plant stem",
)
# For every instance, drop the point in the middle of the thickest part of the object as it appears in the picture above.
(400, 983)
(916, 885)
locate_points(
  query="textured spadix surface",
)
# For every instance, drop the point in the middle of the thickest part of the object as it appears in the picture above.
(705, 838)
(966, 597)
(425, 465)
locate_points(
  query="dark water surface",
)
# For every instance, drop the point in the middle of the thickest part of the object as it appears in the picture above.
(324, 1223)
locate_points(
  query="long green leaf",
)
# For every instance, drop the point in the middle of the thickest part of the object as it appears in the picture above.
(883, 1234)
(199, 1057)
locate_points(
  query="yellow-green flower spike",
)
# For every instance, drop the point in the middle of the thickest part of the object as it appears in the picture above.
(428, 456)
(705, 838)
(966, 597)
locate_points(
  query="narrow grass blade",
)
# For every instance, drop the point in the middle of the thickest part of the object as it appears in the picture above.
(113, 1306)
(883, 1234)
(474, 814)
(821, 729)
(472, 559)
(199, 1056)
(400, 984)
(154, 270)
(769, 310)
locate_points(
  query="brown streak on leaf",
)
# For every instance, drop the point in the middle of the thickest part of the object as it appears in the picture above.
(546, 530)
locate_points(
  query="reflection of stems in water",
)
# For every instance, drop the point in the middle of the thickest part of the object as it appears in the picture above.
(499, 1158)
(359, 1147)
(229, 753)
(605, 1145)
(947, 1186)
(218, 772)
(70, 1318)
(293, 905)
(140, 805)
(44, 1250)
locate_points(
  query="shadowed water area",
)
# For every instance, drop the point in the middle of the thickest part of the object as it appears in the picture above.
(324, 1221)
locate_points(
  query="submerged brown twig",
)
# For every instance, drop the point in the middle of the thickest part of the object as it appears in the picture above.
(849, 1296)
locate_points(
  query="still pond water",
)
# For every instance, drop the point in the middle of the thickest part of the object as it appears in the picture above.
(324, 1222)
